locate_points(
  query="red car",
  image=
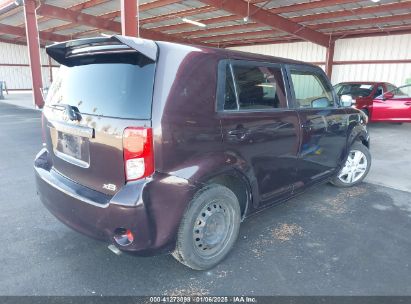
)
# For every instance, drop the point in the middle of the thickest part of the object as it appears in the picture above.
(363, 93)
(392, 106)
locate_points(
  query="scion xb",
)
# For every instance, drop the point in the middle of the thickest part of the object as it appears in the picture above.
(157, 147)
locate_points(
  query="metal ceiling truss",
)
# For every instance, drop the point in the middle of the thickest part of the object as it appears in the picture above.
(320, 21)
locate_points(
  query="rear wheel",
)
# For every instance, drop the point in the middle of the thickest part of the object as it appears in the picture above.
(209, 228)
(356, 167)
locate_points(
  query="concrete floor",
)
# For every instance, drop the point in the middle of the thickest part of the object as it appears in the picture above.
(22, 99)
(391, 151)
(328, 241)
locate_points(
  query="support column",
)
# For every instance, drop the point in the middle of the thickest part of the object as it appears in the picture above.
(129, 22)
(330, 60)
(33, 45)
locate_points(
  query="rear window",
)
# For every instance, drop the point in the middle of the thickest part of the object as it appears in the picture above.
(113, 84)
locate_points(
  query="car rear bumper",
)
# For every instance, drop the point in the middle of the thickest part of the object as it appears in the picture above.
(98, 215)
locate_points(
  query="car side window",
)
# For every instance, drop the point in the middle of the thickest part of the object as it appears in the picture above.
(379, 91)
(311, 90)
(402, 92)
(247, 86)
(230, 99)
(390, 87)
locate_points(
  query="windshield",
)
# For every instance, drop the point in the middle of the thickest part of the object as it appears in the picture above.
(354, 89)
(114, 84)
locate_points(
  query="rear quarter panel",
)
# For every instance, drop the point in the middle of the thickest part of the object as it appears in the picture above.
(186, 130)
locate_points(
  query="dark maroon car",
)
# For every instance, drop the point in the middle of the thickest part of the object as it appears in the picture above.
(156, 147)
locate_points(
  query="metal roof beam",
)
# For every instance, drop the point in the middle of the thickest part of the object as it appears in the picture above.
(336, 14)
(179, 14)
(156, 4)
(355, 11)
(370, 32)
(224, 29)
(392, 30)
(308, 5)
(77, 7)
(283, 9)
(243, 9)
(110, 15)
(188, 12)
(101, 23)
(250, 34)
(21, 32)
(367, 21)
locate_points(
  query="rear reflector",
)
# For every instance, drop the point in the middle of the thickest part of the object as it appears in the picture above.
(138, 152)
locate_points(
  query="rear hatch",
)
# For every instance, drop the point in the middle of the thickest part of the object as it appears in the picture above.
(104, 86)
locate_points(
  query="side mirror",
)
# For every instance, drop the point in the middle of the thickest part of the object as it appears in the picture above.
(388, 95)
(346, 100)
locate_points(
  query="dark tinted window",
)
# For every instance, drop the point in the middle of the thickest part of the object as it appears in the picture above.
(117, 85)
(311, 90)
(259, 87)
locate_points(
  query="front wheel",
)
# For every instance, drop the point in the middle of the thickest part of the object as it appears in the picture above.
(356, 167)
(209, 228)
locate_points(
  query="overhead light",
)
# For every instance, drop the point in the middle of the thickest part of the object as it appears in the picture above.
(375, 1)
(194, 22)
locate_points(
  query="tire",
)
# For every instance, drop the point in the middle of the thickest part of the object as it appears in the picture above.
(366, 112)
(209, 228)
(358, 168)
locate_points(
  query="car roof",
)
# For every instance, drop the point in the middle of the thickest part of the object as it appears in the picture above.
(60, 51)
(234, 54)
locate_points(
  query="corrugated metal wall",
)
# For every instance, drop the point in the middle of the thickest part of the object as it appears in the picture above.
(19, 77)
(305, 51)
(395, 47)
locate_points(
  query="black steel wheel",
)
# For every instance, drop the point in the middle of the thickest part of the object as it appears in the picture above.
(209, 228)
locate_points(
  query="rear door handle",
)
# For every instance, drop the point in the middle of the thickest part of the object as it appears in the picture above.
(408, 103)
(239, 132)
(306, 127)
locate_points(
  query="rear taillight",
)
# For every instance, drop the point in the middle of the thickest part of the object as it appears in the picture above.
(138, 152)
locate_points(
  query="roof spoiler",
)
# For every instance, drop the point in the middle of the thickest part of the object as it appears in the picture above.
(61, 52)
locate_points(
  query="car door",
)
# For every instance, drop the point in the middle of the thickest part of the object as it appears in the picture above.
(324, 124)
(394, 105)
(257, 127)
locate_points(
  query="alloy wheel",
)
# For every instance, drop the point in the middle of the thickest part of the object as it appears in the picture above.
(354, 168)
